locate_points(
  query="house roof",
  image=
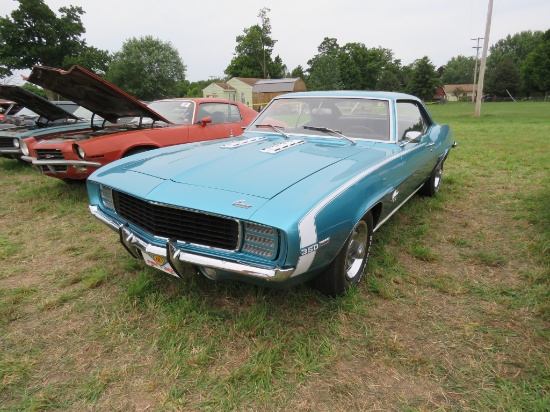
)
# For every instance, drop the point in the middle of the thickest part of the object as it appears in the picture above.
(467, 88)
(224, 86)
(248, 80)
(275, 85)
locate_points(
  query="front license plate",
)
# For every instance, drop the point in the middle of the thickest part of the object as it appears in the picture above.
(159, 262)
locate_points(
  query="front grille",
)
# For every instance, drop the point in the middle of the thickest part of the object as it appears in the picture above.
(49, 154)
(6, 143)
(183, 225)
(56, 168)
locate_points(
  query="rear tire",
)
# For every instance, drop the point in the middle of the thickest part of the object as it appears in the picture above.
(348, 266)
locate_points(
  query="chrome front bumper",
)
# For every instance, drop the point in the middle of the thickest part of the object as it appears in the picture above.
(37, 162)
(13, 151)
(180, 260)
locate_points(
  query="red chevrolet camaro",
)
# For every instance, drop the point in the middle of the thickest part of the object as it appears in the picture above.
(75, 155)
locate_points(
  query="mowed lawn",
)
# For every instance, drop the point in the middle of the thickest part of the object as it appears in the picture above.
(453, 315)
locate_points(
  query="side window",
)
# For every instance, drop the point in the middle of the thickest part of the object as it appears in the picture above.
(234, 113)
(220, 112)
(409, 118)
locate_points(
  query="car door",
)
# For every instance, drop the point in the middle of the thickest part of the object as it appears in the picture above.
(418, 157)
(224, 118)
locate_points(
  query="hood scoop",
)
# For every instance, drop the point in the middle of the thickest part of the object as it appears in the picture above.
(283, 146)
(240, 143)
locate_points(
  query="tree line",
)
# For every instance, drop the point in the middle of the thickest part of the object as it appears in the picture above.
(150, 68)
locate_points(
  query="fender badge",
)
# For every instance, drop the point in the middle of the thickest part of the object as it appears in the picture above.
(241, 203)
(394, 195)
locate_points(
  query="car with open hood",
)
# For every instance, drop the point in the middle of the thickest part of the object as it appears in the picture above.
(38, 117)
(7, 108)
(296, 198)
(76, 155)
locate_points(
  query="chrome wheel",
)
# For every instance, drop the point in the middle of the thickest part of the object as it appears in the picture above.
(357, 250)
(437, 177)
(347, 267)
(431, 186)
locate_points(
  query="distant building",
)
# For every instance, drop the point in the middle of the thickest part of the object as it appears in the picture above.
(236, 89)
(459, 92)
(440, 95)
(265, 90)
(255, 93)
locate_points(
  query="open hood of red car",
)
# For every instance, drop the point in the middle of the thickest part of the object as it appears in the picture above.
(92, 92)
(37, 104)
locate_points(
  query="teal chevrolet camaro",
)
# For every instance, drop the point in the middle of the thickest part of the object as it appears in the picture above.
(296, 198)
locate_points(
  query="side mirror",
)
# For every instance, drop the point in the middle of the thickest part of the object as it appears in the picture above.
(205, 120)
(412, 136)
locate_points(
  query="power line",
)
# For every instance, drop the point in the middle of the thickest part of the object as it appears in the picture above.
(475, 69)
(477, 112)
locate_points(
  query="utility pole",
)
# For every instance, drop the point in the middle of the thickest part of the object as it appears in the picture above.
(474, 91)
(483, 60)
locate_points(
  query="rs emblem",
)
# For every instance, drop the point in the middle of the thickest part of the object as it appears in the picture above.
(394, 195)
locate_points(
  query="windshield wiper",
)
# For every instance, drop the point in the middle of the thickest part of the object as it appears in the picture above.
(278, 129)
(327, 130)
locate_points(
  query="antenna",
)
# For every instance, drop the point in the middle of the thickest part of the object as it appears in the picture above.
(229, 118)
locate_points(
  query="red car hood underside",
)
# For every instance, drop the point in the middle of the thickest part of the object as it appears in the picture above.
(92, 92)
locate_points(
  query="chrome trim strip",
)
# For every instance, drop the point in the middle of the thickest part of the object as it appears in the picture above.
(37, 162)
(273, 274)
(10, 151)
(396, 209)
(110, 222)
(130, 239)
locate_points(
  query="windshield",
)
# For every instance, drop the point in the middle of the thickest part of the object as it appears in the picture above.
(177, 111)
(26, 112)
(67, 106)
(85, 114)
(352, 117)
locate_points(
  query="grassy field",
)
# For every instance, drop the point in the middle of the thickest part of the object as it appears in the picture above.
(453, 316)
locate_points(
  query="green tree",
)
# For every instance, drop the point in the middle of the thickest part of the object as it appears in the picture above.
(253, 53)
(147, 68)
(324, 70)
(535, 70)
(515, 48)
(34, 89)
(504, 79)
(459, 70)
(326, 75)
(359, 68)
(388, 82)
(34, 35)
(299, 72)
(423, 79)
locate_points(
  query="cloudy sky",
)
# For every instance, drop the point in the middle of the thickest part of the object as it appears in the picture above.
(204, 32)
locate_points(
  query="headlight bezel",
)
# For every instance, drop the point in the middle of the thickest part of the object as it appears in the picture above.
(79, 151)
(106, 196)
(24, 148)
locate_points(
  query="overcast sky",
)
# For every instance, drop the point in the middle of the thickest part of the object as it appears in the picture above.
(204, 32)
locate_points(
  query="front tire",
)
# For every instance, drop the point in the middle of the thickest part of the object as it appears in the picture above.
(348, 266)
(432, 185)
